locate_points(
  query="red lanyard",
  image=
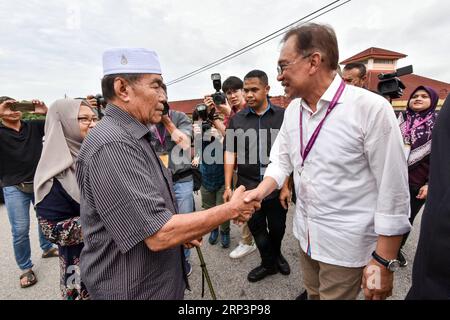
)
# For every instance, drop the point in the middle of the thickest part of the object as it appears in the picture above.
(304, 152)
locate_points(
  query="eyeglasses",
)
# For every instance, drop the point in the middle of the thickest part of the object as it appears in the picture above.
(282, 67)
(87, 120)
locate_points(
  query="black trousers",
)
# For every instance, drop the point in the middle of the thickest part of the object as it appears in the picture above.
(416, 205)
(267, 227)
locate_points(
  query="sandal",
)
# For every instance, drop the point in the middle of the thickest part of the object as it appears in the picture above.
(31, 278)
(53, 252)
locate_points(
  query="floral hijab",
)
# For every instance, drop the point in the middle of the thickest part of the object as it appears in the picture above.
(416, 127)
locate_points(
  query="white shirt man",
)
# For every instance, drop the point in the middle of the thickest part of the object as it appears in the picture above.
(349, 189)
(352, 184)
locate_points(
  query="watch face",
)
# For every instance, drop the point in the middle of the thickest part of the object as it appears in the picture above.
(394, 265)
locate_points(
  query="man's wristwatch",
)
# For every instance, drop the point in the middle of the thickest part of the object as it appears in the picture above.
(391, 265)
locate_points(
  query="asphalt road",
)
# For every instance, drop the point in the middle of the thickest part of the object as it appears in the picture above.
(229, 276)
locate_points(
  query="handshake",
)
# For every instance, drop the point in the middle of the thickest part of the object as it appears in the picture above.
(243, 204)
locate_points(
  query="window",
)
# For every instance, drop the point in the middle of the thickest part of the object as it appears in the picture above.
(383, 61)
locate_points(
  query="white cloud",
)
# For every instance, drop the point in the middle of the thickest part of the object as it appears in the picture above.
(54, 47)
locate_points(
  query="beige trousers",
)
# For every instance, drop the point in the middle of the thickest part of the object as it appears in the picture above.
(324, 281)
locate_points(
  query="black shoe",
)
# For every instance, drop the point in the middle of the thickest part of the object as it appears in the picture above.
(401, 258)
(302, 296)
(283, 265)
(260, 273)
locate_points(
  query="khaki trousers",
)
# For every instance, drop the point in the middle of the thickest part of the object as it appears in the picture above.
(324, 281)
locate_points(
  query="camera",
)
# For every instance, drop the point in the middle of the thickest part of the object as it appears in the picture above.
(201, 113)
(218, 97)
(390, 85)
(23, 106)
(101, 102)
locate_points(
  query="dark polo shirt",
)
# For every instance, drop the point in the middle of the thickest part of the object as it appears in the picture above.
(251, 137)
(126, 196)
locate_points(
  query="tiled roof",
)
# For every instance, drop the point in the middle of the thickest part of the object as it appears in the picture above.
(374, 53)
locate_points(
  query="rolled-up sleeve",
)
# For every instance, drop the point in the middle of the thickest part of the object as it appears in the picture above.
(280, 166)
(384, 151)
(127, 200)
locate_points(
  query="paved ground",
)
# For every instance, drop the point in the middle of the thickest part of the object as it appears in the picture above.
(229, 276)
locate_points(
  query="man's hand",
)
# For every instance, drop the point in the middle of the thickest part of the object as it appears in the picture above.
(423, 193)
(377, 281)
(253, 195)
(92, 101)
(227, 195)
(39, 107)
(285, 197)
(224, 109)
(241, 210)
(208, 100)
(5, 108)
(193, 243)
(196, 129)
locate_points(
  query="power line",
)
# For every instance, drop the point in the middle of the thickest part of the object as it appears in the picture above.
(259, 42)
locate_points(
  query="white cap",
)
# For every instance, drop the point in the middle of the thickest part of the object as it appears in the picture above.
(130, 60)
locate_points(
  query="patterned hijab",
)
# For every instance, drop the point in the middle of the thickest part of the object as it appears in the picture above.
(61, 147)
(416, 127)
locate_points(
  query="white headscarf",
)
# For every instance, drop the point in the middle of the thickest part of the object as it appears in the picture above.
(61, 147)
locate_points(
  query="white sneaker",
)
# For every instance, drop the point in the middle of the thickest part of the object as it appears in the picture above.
(242, 250)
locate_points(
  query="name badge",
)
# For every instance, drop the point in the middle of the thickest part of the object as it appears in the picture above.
(164, 159)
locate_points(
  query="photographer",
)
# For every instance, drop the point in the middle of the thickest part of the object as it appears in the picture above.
(20, 151)
(171, 138)
(209, 157)
(235, 102)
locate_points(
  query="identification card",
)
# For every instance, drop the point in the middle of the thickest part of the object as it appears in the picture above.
(165, 159)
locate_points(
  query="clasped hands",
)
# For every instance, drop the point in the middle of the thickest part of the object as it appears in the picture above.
(243, 204)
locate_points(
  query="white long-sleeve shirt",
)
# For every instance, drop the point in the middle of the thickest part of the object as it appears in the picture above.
(354, 185)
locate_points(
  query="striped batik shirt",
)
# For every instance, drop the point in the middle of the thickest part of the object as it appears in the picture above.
(126, 196)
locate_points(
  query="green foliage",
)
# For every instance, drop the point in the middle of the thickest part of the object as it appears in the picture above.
(30, 116)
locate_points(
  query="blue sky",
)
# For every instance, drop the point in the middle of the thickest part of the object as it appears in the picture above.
(52, 48)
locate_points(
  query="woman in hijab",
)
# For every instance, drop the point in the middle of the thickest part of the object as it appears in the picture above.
(57, 194)
(416, 125)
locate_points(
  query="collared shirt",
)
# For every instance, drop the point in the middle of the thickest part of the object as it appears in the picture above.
(354, 185)
(251, 137)
(126, 196)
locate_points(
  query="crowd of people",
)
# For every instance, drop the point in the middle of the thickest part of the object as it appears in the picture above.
(114, 197)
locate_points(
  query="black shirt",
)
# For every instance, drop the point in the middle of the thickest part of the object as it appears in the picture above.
(431, 270)
(20, 152)
(251, 136)
(57, 205)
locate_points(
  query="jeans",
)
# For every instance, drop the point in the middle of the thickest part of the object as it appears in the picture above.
(185, 201)
(268, 226)
(18, 208)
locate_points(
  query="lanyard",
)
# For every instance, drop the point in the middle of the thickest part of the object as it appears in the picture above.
(304, 152)
(162, 138)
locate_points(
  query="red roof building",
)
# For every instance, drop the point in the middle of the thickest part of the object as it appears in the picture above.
(384, 61)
